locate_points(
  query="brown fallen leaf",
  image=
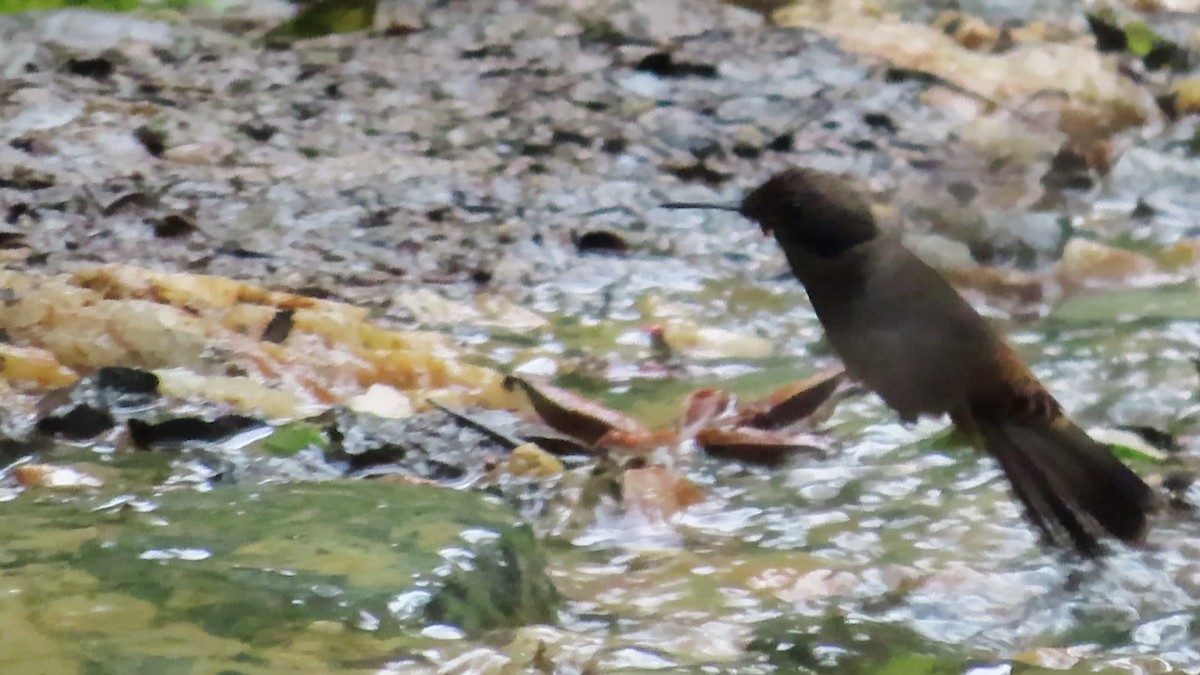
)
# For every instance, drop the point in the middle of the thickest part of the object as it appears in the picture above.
(557, 443)
(705, 408)
(802, 401)
(656, 491)
(764, 447)
(580, 417)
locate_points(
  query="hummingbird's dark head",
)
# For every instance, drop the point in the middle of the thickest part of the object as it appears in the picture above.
(807, 209)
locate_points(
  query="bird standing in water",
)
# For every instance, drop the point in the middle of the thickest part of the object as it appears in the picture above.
(901, 329)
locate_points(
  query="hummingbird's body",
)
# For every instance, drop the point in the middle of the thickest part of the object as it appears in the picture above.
(902, 330)
(864, 299)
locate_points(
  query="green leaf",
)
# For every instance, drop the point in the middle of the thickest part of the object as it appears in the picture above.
(292, 438)
(1140, 38)
(325, 17)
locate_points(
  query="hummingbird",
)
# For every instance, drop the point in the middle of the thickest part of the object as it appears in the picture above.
(903, 331)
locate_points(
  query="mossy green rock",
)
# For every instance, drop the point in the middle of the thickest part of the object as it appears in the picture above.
(254, 564)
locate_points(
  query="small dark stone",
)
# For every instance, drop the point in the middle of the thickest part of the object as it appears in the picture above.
(127, 380)
(180, 430)
(235, 250)
(600, 241)
(782, 143)
(1142, 210)
(880, 121)
(261, 132)
(697, 173)
(563, 136)
(377, 218)
(33, 144)
(79, 423)
(705, 148)
(898, 74)
(25, 178)
(614, 145)
(746, 151)
(11, 240)
(962, 191)
(308, 71)
(280, 326)
(663, 64)
(536, 149)
(314, 292)
(1167, 55)
(172, 226)
(1168, 103)
(98, 68)
(306, 110)
(486, 51)
(1109, 36)
(1068, 171)
(153, 140)
(396, 29)
(1178, 481)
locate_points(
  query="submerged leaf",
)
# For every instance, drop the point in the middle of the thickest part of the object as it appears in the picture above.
(656, 491)
(755, 446)
(582, 418)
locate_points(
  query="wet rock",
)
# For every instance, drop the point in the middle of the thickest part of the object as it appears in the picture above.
(423, 445)
(423, 555)
(1089, 263)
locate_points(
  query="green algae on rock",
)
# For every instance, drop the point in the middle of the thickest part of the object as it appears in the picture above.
(262, 566)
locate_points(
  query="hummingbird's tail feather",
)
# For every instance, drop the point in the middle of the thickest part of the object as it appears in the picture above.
(1073, 487)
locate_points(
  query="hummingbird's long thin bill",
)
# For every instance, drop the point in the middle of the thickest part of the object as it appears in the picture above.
(701, 205)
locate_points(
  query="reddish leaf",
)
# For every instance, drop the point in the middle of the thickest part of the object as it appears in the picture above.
(579, 417)
(703, 408)
(754, 446)
(800, 401)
